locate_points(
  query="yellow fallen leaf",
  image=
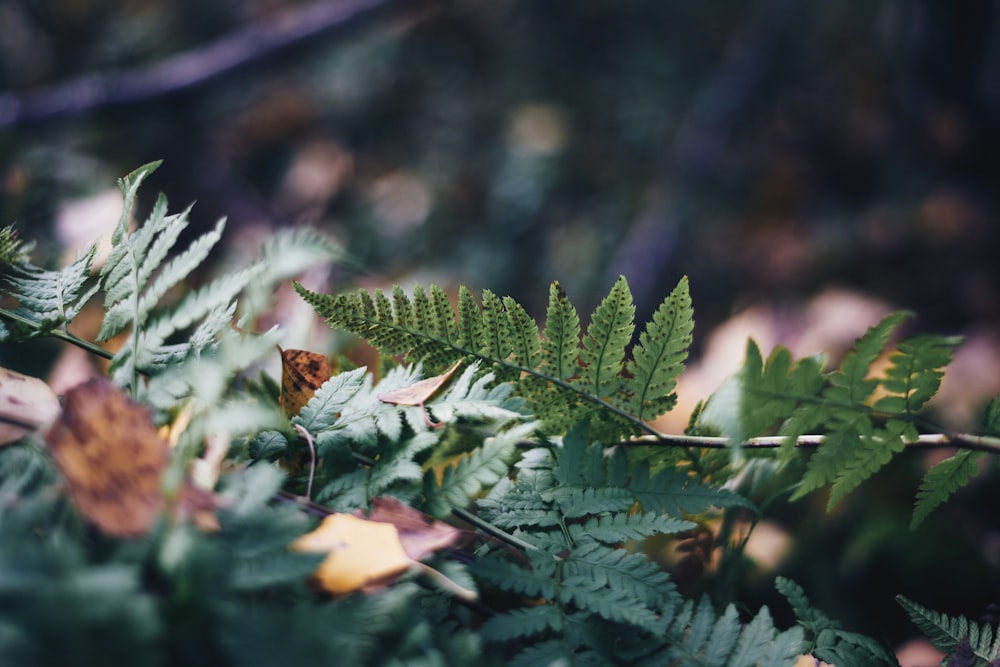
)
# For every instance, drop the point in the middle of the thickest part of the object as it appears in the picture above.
(360, 553)
(419, 392)
(26, 405)
(419, 534)
(302, 373)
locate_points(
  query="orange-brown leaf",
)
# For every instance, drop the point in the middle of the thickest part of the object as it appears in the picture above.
(26, 405)
(302, 373)
(112, 458)
(360, 553)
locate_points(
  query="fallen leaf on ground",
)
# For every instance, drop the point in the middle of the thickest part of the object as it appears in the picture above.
(419, 534)
(302, 373)
(419, 392)
(361, 553)
(367, 553)
(112, 458)
(26, 405)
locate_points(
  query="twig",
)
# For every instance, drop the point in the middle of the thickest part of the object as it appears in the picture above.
(312, 462)
(981, 443)
(184, 70)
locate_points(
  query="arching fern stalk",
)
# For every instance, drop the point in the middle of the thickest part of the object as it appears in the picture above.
(565, 379)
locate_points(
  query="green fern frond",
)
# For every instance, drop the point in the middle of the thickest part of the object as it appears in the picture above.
(947, 632)
(565, 380)
(915, 374)
(523, 622)
(47, 300)
(851, 385)
(827, 640)
(700, 638)
(480, 469)
(614, 528)
(561, 338)
(371, 447)
(942, 481)
(862, 432)
(674, 493)
(609, 333)
(13, 249)
(137, 275)
(659, 357)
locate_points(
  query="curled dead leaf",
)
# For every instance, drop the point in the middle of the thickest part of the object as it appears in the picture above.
(27, 405)
(419, 392)
(112, 458)
(302, 373)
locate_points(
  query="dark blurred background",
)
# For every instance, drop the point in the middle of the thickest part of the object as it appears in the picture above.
(771, 150)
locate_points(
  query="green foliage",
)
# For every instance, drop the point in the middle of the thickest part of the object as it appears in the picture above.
(569, 504)
(827, 640)
(529, 446)
(567, 380)
(974, 643)
(862, 429)
(136, 279)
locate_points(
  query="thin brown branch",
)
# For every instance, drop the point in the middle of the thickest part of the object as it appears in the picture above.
(981, 443)
(183, 70)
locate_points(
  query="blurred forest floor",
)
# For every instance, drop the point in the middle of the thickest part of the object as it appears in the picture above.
(810, 166)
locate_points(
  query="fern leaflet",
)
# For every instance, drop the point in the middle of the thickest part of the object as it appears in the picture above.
(47, 300)
(947, 633)
(135, 279)
(944, 479)
(828, 641)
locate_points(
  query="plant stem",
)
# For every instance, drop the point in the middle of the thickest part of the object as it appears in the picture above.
(981, 443)
(61, 334)
(490, 529)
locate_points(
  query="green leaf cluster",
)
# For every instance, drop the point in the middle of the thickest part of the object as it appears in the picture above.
(865, 418)
(528, 449)
(566, 378)
(965, 642)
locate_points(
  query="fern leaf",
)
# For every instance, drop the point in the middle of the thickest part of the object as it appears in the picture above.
(850, 385)
(760, 644)
(470, 330)
(522, 622)
(829, 641)
(724, 636)
(537, 580)
(561, 338)
(49, 299)
(674, 493)
(608, 334)
(523, 334)
(944, 479)
(480, 469)
(616, 528)
(916, 372)
(659, 357)
(946, 632)
(323, 409)
(615, 605)
(13, 250)
(861, 462)
(632, 574)
(551, 652)
(575, 502)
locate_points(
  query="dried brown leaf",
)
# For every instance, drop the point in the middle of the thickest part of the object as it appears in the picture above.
(112, 458)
